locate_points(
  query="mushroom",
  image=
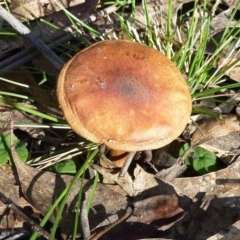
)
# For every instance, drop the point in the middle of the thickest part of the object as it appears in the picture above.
(125, 95)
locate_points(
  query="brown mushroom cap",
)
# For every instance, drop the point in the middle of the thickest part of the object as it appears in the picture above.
(125, 95)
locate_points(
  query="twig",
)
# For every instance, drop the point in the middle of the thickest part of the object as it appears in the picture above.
(171, 173)
(23, 30)
(28, 54)
(100, 14)
(148, 158)
(109, 227)
(174, 42)
(84, 220)
(10, 204)
(127, 164)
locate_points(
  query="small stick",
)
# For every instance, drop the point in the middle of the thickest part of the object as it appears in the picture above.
(174, 42)
(148, 158)
(100, 14)
(10, 204)
(84, 220)
(109, 227)
(28, 54)
(23, 30)
(127, 164)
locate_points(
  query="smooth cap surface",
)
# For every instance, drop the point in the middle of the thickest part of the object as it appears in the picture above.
(125, 95)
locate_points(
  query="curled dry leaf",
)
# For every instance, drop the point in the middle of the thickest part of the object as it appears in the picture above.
(219, 136)
(146, 188)
(221, 21)
(216, 128)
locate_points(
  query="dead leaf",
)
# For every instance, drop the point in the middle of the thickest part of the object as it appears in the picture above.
(156, 207)
(8, 182)
(223, 209)
(61, 20)
(157, 11)
(142, 182)
(220, 137)
(213, 183)
(221, 21)
(9, 187)
(216, 128)
(212, 220)
(42, 30)
(41, 189)
(153, 198)
(156, 204)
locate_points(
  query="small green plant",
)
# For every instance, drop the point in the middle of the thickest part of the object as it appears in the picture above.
(5, 148)
(64, 167)
(200, 159)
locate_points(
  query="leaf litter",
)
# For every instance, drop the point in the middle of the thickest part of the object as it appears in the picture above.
(161, 206)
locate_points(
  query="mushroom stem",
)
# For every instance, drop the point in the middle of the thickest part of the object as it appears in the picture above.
(126, 164)
(123, 159)
(118, 157)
